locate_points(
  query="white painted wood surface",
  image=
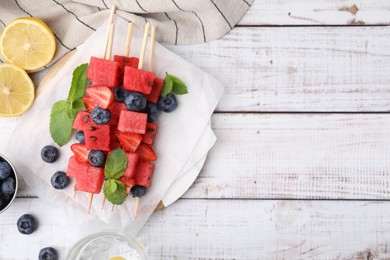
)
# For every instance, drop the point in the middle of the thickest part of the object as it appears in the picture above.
(237, 209)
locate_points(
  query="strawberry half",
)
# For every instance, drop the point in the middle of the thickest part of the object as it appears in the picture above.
(128, 182)
(146, 153)
(103, 96)
(129, 141)
(89, 103)
(80, 151)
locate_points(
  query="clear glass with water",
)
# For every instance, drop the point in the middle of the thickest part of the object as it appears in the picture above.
(106, 246)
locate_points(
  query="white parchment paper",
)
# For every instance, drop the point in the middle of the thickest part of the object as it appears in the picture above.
(181, 140)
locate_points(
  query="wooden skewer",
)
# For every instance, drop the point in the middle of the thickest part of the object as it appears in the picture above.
(144, 44)
(90, 201)
(113, 207)
(110, 21)
(151, 50)
(103, 201)
(74, 194)
(136, 206)
(110, 42)
(128, 38)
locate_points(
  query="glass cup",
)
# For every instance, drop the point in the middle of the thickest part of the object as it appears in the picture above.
(106, 246)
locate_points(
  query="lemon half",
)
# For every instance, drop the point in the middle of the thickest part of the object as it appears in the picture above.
(16, 91)
(28, 43)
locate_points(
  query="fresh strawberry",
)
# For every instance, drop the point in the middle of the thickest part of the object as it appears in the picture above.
(128, 182)
(89, 103)
(146, 153)
(129, 141)
(80, 151)
(103, 96)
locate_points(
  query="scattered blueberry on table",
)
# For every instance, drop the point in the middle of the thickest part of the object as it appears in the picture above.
(49, 154)
(59, 180)
(48, 253)
(27, 224)
(167, 103)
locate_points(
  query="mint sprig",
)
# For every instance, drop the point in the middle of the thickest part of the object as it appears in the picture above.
(114, 190)
(173, 84)
(64, 112)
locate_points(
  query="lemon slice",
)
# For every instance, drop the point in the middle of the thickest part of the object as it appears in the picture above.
(117, 258)
(27, 43)
(16, 90)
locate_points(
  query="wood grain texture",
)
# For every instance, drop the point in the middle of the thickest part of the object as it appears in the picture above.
(310, 156)
(319, 12)
(299, 69)
(227, 229)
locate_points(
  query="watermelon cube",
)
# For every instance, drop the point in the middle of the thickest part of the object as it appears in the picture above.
(150, 134)
(104, 72)
(138, 80)
(132, 161)
(154, 95)
(132, 122)
(128, 182)
(125, 61)
(90, 181)
(115, 110)
(81, 120)
(75, 167)
(144, 174)
(97, 137)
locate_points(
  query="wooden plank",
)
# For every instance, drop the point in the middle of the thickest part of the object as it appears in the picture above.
(311, 156)
(319, 12)
(226, 229)
(299, 69)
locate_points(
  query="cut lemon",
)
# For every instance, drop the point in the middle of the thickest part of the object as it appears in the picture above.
(16, 91)
(27, 43)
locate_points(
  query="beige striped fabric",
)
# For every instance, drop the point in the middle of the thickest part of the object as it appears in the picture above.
(178, 21)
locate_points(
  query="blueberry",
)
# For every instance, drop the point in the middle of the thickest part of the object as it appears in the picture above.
(120, 93)
(138, 191)
(59, 180)
(49, 153)
(80, 137)
(152, 111)
(27, 224)
(5, 170)
(48, 253)
(96, 158)
(2, 203)
(101, 116)
(167, 103)
(8, 186)
(135, 101)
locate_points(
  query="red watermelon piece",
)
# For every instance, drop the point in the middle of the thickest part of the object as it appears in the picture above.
(97, 137)
(129, 141)
(132, 161)
(90, 181)
(144, 174)
(125, 61)
(115, 110)
(75, 167)
(80, 151)
(138, 80)
(146, 152)
(132, 122)
(150, 134)
(89, 103)
(81, 120)
(104, 72)
(103, 96)
(128, 182)
(154, 95)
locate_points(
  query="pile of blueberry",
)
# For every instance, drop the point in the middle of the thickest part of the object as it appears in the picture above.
(7, 184)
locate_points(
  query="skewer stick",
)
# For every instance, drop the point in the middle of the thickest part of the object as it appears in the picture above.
(128, 38)
(110, 42)
(110, 21)
(136, 206)
(103, 201)
(113, 207)
(74, 194)
(90, 201)
(144, 44)
(151, 49)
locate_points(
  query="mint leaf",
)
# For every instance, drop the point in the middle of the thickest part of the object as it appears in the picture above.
(168, 85)
(179, 88)
(79, 81)
(113, 186)
(116, 164)
(118, 196)
(61, 120)
(78, 105)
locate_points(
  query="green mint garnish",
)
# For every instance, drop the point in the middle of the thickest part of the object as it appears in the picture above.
(173, 84)
(64, 112)
(116, 164)
(114, 190)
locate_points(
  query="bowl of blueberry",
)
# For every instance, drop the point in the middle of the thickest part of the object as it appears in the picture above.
(8, 184)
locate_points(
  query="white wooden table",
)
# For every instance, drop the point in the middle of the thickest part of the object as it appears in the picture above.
(301, 168)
